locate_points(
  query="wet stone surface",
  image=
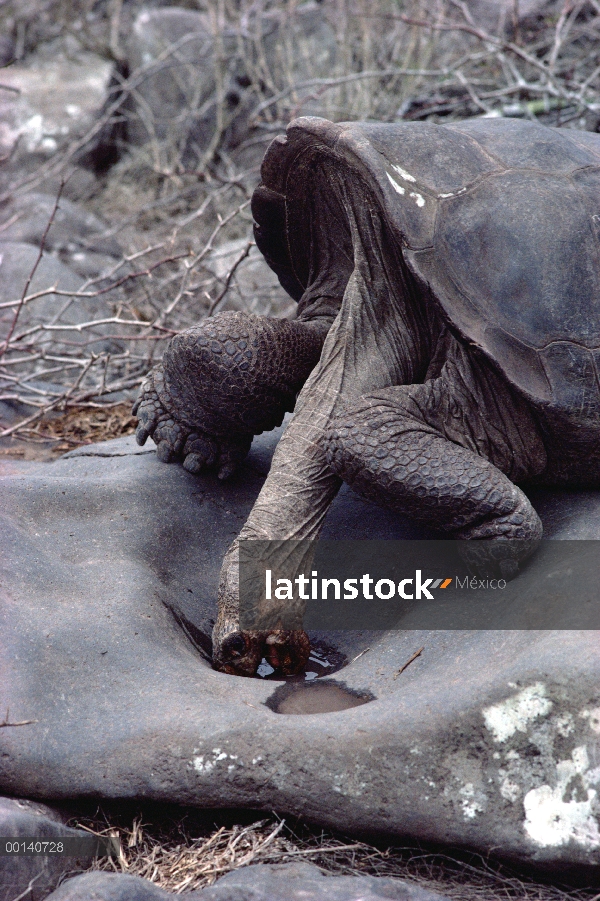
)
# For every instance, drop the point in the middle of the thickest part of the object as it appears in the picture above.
(110, 564)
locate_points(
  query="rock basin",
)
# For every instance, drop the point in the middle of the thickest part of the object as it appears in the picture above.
(488, 740)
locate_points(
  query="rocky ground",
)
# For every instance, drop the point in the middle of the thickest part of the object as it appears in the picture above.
(485, 742)
(131, 135)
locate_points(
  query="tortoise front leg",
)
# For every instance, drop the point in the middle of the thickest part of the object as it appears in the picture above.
(359, 354)
(220, 383)
(292, 505)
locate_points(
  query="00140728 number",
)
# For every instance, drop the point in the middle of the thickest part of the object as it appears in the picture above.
(31, 847)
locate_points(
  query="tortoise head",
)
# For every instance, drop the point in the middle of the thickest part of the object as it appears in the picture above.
(238, 653)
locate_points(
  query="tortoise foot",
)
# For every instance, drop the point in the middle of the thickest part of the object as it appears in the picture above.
(178, 441)
(220, 383)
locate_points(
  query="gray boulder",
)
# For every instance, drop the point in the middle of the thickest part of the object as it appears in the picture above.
(54, 99)
(498, 16)
(17, 262)
(171, 54)
(254, 287)
(110, 561)
(262, 882)
(112, 887)
(21, 820)
(174, 55)
(76, 235)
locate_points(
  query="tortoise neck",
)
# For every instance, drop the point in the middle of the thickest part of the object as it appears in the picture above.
(355, 251)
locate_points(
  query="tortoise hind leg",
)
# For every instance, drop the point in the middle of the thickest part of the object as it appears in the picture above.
(392, 447)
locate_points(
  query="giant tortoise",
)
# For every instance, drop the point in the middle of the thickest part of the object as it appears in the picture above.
(446, 347)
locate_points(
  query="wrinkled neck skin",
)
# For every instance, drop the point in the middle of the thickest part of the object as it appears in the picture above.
(383, 335)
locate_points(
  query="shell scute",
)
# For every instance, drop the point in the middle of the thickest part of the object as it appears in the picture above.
(498, 220)
(524, 250)
(519, 144)
(439, 160)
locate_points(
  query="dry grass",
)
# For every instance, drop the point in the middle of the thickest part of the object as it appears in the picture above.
(56, 433)
(180, 862)
(83, 425)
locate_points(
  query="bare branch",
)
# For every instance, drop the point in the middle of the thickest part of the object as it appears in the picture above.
(32, 273)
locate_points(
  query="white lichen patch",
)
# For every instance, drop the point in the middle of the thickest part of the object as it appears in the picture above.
(593, 716)
(349, 784)
(418, 198)
(510, 791)
(564, 725)
(404, 174)
(395, 184)
(205, 763)
(516, 713)
(553, 817)
(471, 804)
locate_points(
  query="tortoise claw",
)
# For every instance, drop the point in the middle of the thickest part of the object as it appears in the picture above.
(287, 651)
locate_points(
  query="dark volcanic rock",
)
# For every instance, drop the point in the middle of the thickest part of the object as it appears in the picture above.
(110, 563)
(263, 882)
(305, 882)
(25, 819)
(112, 887)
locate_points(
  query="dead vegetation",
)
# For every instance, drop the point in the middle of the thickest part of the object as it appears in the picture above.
(77, 426)
(178, 859)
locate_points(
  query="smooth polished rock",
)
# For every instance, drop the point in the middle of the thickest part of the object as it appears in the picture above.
(262, 882)
(33, 876)
(110, 562)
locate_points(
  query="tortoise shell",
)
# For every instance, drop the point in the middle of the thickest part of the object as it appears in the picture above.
(498, 220)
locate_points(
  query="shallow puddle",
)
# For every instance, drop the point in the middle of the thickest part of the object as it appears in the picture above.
(321, 697)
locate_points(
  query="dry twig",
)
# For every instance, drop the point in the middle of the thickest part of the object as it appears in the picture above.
(423, 62)
(6, 722)
(409, 661)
